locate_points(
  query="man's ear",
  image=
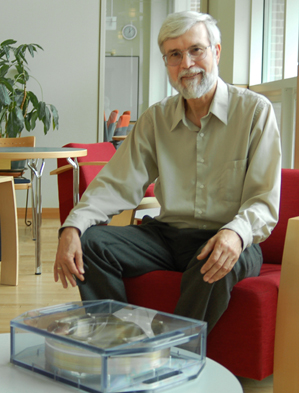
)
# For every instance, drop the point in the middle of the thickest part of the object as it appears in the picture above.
(218, 51)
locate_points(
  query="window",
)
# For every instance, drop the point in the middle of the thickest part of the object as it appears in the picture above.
(273, 40)
(195, 5)
(273, 66)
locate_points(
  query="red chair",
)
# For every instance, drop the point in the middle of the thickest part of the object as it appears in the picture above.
(111, 124)
(98, 154)
(243, 339)
(121, 128)
(95, 152)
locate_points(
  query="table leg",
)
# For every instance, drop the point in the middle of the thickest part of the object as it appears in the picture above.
(34, 163)
(74, 164)
(37, 208)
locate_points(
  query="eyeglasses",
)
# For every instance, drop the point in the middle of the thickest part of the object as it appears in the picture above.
(195, 53)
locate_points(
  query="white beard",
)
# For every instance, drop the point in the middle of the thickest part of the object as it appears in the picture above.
(192, 88)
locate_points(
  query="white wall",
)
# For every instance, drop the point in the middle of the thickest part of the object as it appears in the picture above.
(67, 69)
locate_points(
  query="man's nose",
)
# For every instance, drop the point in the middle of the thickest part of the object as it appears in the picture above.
(187, 60)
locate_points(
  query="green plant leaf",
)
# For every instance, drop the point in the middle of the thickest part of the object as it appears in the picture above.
(4, 96)
(3, 111)
(3, 70)
(33, 99)
(19, 68)
(31, 50)
(37, 46)
(15, 123)
(33, 119)
(41, 110)
(8, 42)
(19, 96)
(7, 83)
(7, 52)
(27, 120)
(20, 54)
(55, 117)
(47, 120)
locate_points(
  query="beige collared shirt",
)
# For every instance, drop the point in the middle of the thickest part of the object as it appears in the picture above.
(225, 174)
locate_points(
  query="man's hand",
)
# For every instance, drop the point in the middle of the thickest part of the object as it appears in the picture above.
(69, 262)
(224, 249)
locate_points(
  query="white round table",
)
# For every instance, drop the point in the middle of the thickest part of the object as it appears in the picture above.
(214, 378)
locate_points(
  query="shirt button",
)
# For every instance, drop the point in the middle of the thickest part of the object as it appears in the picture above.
(199, 211)
(201, 160)
(202, 134)
(202, 186)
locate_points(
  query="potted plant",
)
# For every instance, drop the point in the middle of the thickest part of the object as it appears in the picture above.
(20, 108)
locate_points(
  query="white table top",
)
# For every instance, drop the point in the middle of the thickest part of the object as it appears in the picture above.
(214, 378)
(23, 153)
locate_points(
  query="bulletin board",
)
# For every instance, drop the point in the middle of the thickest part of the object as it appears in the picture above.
(122, 84)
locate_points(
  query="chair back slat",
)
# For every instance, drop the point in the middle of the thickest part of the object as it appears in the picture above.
(25, 141)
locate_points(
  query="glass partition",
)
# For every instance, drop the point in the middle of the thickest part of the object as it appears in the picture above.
(134, 72)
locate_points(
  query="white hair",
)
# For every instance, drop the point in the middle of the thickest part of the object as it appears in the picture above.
(179, 23)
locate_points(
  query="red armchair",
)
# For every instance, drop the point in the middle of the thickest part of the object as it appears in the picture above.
(243, 339)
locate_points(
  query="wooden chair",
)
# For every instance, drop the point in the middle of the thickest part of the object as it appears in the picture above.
(20, 183)
(9, 244)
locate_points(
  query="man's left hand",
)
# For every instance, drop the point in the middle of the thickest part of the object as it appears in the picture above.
(224, 249)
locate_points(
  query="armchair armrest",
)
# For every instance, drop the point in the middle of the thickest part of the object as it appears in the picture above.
(65, 168)
(148, 203)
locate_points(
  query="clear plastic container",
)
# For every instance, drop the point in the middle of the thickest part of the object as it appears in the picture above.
(108, 346)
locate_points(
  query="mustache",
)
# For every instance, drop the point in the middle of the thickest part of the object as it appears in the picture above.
(193, 71)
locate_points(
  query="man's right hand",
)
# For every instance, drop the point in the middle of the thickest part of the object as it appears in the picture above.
(69, 262)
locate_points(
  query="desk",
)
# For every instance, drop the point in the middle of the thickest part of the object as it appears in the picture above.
(32, 154)
(214, 378)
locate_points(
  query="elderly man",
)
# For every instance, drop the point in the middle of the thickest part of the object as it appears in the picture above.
(214, 152)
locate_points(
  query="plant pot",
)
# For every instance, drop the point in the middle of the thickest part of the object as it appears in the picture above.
(21, 164)
(16, 169)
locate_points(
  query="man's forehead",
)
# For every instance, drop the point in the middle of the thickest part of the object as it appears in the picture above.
(197, 35)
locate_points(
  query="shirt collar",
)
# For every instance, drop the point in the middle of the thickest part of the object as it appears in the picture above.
(219, 104)
(218, 107)
(179, 113)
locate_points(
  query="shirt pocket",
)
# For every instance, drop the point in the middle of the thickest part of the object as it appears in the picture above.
(232, 180)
